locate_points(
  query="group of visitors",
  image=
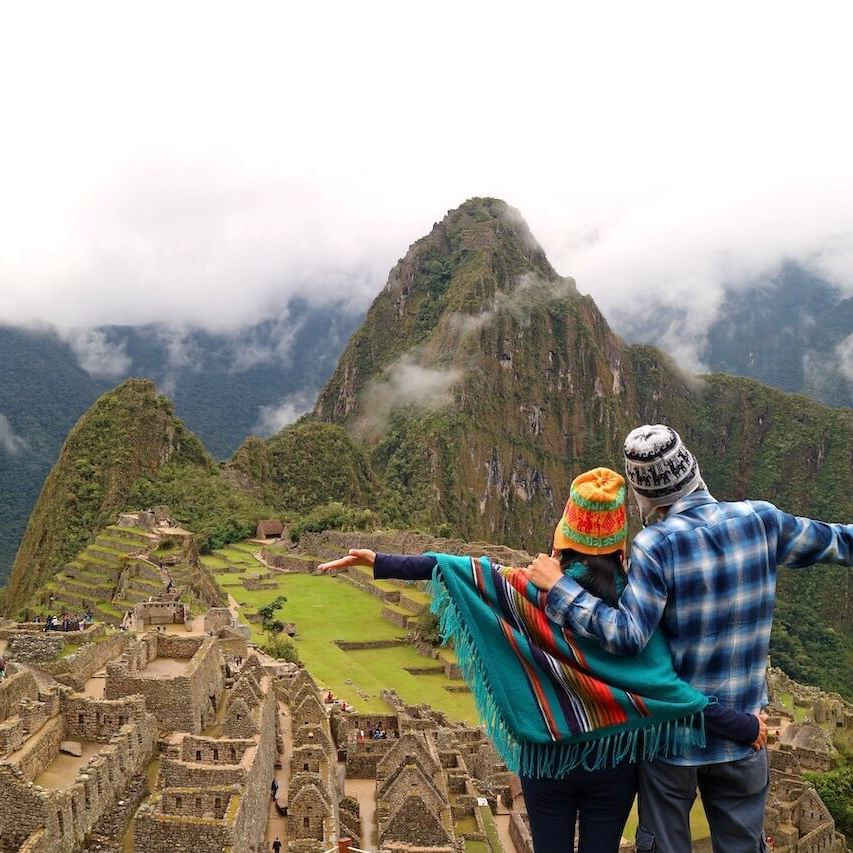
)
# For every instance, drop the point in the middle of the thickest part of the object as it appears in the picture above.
(600, 676)
(67, 622)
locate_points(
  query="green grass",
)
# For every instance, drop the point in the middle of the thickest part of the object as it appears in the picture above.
(325, 609)
(490, 828)
(787, 701)
(237, 556)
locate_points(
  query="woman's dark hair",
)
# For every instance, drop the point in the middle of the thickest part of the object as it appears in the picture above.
(600, 575)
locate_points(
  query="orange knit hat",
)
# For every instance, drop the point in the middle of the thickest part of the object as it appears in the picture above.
(594, 520)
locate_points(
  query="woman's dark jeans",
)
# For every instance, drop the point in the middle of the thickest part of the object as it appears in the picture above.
(602, 800)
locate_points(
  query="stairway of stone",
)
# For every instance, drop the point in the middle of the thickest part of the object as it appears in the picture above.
(109, 576)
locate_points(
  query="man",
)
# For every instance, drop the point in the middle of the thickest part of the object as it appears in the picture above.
(706, 571)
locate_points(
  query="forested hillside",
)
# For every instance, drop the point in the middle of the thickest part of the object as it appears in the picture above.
(224, 387)
(479, 385)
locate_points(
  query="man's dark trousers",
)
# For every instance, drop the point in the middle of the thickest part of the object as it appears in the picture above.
(733, 793)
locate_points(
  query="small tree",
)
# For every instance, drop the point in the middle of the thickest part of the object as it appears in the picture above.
(276, 645)
(267, 614)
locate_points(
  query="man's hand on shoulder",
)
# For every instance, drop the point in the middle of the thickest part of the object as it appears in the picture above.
(544, 572)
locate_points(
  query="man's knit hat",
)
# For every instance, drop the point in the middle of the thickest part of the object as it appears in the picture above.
(594, 520)
(659, 467)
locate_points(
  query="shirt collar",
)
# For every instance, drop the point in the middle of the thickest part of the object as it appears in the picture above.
(698, 498)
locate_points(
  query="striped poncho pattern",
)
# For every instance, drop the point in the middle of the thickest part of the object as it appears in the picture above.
(551, 700)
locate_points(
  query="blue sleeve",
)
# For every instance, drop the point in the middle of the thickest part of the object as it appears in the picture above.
(730, 724)
(804, 541)
(416, 567)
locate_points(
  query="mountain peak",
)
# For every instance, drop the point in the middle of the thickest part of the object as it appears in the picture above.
(128, 432)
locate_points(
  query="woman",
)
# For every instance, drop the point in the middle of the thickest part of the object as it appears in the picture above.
(570, 718)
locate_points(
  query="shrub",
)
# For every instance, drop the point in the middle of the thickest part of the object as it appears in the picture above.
(334, 516)
(280, 647)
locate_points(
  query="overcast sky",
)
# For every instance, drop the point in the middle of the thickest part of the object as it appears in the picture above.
(200, 162)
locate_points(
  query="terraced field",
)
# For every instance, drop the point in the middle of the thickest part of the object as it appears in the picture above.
(325, 609)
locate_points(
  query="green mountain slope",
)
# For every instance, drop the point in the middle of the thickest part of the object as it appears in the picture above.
(481, 383)
(127, 451)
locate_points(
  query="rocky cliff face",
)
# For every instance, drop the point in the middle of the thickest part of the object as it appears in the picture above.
(482, 382)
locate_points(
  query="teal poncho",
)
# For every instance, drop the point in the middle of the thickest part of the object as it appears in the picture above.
(551, 700)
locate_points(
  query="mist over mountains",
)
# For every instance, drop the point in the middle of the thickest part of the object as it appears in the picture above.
(792, 330)
(224, 387)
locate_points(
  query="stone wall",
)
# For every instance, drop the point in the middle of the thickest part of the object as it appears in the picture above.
(36, 647)
(185, 702)
(67, 814)
(154, 832)
(99, 720)
(15, 688)
(201, 770)
(217, 618)
(330, 544)
(79, 667)
(161, 612)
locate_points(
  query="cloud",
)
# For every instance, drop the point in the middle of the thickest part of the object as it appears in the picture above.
(182, 355)
(844, 351)
(96, 354)
(12, 443)
(206, 192)
(404, 383)
(272, 419)
(269, 344)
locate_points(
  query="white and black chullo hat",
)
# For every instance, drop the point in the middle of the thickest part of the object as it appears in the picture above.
(659, 467)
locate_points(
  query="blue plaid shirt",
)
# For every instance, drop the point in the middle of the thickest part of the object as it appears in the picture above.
(707, 574)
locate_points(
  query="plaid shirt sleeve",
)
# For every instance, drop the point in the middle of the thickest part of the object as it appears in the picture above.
(803, 541)
(624, 630)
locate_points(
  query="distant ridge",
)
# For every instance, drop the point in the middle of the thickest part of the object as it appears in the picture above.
(479, 385)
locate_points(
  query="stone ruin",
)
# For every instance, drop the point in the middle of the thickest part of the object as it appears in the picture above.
(116, 738)
(179, 750)
(184, 701)
(796, 818)
(213, 791)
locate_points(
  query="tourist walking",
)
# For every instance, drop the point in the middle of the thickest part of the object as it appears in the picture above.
(276, 845)
(570, 718)
(704, 571)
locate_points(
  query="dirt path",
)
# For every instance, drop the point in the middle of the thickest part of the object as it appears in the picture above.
(502, 823)
(277, 823)
(364, 790)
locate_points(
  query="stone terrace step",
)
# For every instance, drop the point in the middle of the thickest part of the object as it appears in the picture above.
(102, 552)
(144, 569)
(116, 543)
(94, 592)
(142, 592)
(136, 534)
(97, 562)
(105, 613)
(67, 600)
